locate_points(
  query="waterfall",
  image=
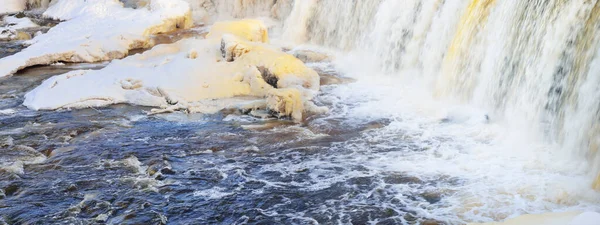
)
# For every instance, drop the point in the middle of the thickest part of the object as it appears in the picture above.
(34, 4)
(296, 23)
(208, 11)
(532, 64)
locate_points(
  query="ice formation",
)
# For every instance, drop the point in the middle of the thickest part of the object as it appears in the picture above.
(189, 74)
(98, 30)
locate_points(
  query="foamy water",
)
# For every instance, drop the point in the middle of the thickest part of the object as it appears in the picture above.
(499, 172)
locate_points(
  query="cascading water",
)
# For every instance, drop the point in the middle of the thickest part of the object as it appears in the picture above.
(208, 11)
(531, 64)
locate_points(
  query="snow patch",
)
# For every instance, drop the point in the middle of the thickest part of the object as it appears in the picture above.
(97, 31)
(10, 31)
(19, 23)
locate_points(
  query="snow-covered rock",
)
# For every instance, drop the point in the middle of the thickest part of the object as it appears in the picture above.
(12, 26)
(191, 74)
(98, 30)
(8, 34)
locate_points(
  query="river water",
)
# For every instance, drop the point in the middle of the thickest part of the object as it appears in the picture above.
(399, 146)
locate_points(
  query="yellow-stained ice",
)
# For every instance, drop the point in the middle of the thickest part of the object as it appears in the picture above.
(248, 29)
(192, 74)
(287, 68)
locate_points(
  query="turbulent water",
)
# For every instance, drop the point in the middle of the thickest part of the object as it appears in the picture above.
(462, 111)
(531, 64)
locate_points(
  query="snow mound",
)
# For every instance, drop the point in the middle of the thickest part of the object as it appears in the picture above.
(197, 75)
(98, 30)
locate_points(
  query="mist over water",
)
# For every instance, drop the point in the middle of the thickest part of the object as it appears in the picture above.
(529, 65)
(461, 111)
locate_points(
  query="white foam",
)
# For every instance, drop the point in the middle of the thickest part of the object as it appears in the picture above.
(505, 172)
(8, 111)
(212, 193)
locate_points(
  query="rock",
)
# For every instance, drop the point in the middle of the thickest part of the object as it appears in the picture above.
(309, 56)
(432, 197)
(11, 190)
(286, 102)
(20, 15)
(101, 218)
(7, 142)
(14, 35)
(71, 188)
(397, 178)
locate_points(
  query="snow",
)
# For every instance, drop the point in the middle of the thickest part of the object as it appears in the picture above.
(12, 25)
(191, 74)
(18, 23)
(98, 30)
(70, 9)
(9, 6)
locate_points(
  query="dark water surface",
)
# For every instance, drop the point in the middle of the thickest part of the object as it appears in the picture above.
(117, 165)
